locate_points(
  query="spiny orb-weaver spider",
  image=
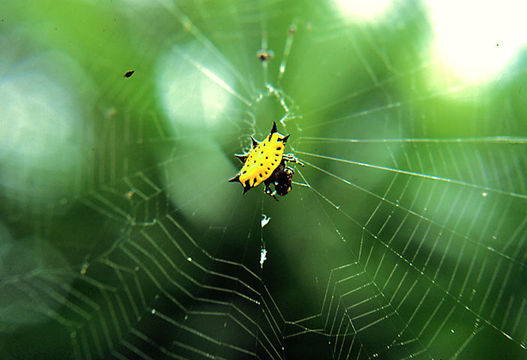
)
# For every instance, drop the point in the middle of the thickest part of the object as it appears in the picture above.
(266, 162)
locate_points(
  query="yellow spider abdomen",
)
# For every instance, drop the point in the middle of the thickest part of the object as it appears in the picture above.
(262, 160)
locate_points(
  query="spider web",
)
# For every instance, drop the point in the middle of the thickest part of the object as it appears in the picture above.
(403, 236)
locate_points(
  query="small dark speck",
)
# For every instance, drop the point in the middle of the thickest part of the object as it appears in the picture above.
(265, 55)
(128, 73)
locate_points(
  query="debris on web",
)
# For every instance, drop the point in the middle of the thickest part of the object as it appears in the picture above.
(263, 257)
(265, 220)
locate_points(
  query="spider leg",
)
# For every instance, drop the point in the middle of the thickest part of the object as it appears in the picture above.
(268, 191)
(292, 158)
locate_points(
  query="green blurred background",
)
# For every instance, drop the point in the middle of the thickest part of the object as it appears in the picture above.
(405, 234)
